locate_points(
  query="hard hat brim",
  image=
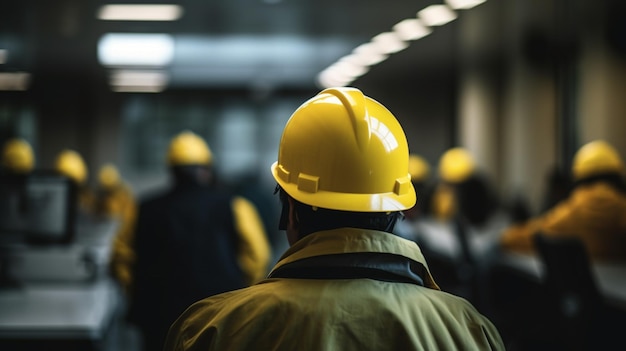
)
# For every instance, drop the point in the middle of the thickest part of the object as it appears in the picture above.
(383, 202)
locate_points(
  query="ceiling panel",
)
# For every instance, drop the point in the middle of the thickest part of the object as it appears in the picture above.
(225, 43)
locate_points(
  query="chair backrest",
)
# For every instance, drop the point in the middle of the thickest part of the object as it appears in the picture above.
(567, 267)
(573, 302)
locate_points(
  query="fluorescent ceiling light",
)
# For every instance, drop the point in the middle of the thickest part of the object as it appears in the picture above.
(147, 12)
(135, 49)
(411, 29)
(14, 81)
(348, 68)
(389, 43)
(357, 63)
(436, 15)
(335, 75)
(329, 79)
(138, 81)
(3, 56)
(360, 60)
(137, 89)
(139, 78)
(464, 4)
(369, 53)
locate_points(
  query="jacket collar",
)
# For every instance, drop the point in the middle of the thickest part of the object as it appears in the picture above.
(359, 250)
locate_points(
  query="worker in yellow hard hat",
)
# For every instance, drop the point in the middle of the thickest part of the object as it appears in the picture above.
(346, 282)
(463, 190)
(17, 157)
(115, 199)
(460, 225)
(456, 165)
(593, 211)
(192, 241)
(71, 164)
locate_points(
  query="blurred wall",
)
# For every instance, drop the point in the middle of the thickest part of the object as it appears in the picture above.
(557, 86)
(602, 77)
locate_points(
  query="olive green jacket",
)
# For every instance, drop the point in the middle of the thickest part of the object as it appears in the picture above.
(346, 289)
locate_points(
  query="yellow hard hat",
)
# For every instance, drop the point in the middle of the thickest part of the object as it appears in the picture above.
(187, 148)
(419, 169)
(17, 156)
(108, 176)
(71, 164)
(342, 150)
(456, 165)
(595, 158)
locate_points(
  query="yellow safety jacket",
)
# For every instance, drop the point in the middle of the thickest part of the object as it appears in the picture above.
(254, 248)
(596, 213)
(343, 289)
(120, 203)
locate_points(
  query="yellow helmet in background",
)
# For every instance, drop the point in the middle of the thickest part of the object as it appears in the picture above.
(71, 164)
(108, 176)
(456, 165)
(419, 169)
(186, 149)
(342, 150)
(595, 158)
(17, 156)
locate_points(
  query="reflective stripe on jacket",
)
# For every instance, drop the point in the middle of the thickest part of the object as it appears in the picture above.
(345, 289)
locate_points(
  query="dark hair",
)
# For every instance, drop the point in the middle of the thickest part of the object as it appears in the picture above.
(314, 219)
(192, 175)
(558, 187)
(615, 180)
(476, 199)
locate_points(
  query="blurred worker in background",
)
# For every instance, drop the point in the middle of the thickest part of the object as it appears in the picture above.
(460, 237)
(115, 199)
(456, 165)
(191, 242)
(18, 158)
(347, 282)
(594, 211)
(463, 191)
(419, 170)
(71, 164)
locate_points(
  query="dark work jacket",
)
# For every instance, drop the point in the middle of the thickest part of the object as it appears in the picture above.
(186, 250)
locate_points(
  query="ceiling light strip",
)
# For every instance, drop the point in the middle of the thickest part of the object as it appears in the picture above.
(136, 12)
(382, 45)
